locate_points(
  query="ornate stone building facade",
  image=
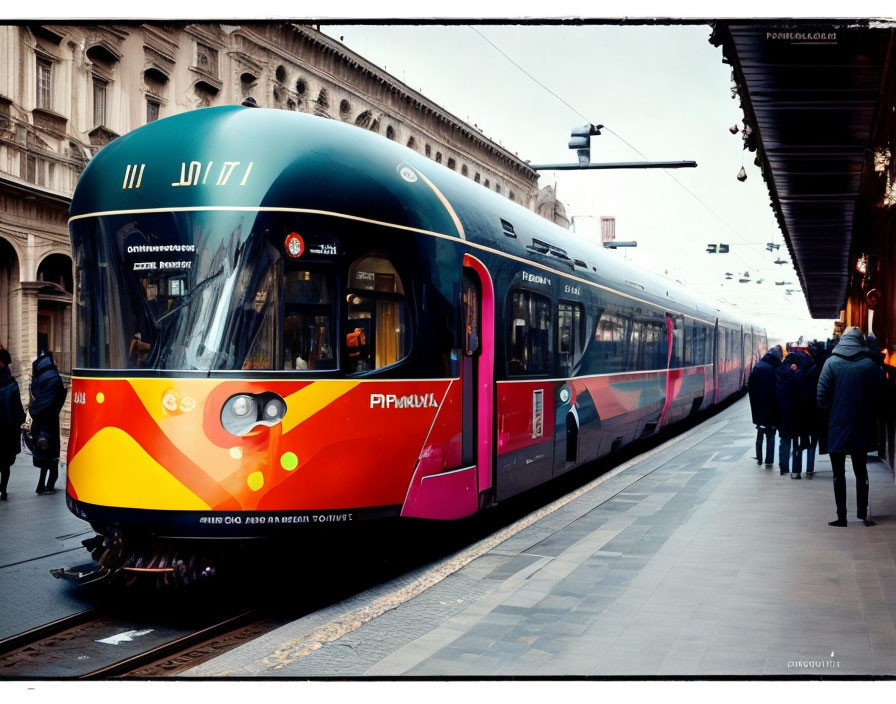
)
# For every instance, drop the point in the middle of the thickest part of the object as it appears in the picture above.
(67, 90)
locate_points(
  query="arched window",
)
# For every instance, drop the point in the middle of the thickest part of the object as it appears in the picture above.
(438, 157)
(54, 315)
(428, 150)
(452, 164)
(345, 108)
(378, 328)
(280, 74)
(363, 120)
(412, 143)
(487, 183)
(301, 86)
(390, 132)
(464, 171)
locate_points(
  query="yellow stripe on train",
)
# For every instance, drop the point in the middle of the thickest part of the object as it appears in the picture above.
(311, 399)
(113, 470)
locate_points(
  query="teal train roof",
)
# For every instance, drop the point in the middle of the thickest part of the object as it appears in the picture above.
(255, 158)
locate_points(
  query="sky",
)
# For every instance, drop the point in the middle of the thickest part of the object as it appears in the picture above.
(663, 94)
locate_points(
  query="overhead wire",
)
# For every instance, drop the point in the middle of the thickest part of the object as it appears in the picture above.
(627, 143)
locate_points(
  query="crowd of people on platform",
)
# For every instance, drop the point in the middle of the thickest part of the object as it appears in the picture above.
(46, 399)
(835, 397)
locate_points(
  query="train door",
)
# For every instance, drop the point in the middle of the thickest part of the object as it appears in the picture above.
(477, 372)
(570, 344)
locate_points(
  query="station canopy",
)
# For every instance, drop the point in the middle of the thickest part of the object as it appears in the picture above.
(811, 93)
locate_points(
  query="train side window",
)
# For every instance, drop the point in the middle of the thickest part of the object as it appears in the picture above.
(529, 344)
(652, 354)
(377, 321)
(472, 333)
(570, 335)
(611, 338)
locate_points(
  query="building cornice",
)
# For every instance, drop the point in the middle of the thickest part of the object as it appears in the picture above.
(409, 95)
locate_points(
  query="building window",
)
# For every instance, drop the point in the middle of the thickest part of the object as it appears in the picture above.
(99, 102)
(44, 84)
(438, 157)
(152, 110)
(207, 59)
(452, 164)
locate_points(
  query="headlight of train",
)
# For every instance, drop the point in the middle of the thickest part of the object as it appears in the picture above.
(242, 405)
(242, 413)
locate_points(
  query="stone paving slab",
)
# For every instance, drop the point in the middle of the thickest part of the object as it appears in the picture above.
(692, 561)
(37, 533)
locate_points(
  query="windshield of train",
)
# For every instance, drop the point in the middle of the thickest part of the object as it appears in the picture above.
(204, 291)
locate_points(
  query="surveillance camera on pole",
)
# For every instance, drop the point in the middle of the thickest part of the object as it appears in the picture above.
(581, 141)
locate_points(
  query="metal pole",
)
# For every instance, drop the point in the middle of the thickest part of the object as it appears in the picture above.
(617, 165)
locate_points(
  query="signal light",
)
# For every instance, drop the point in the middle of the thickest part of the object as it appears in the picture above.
(581, 141)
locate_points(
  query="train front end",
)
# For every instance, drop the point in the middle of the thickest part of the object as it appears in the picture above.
(247, 343)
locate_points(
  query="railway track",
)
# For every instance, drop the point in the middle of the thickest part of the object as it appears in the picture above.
(94, 644)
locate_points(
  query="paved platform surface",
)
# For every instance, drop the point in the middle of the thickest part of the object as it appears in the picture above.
(37, 534)
(691, 560)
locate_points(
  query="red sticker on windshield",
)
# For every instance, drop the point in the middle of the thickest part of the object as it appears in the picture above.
(295, 245)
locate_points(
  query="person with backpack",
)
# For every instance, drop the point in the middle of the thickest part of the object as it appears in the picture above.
(12, 415)
(47, 398)
(849, 385)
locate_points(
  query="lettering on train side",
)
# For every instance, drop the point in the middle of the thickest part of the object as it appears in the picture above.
(536, 279)
(192, 172)
(79, 397)
(411, 401)
(574, 290)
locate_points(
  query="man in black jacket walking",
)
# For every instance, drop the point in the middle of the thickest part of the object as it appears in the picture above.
(849, 385)
(761, 386)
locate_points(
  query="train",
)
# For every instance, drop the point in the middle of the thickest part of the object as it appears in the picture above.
(285, 321)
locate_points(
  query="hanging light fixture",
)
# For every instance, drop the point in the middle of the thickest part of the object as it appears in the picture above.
(742, 174)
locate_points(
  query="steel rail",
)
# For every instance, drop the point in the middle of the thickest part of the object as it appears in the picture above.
(148, 657)
(7, 645)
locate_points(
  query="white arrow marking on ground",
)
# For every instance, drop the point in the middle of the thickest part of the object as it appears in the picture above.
(125, 637)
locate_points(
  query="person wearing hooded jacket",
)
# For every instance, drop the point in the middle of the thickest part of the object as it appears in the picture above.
(47, 398)
(761, 387)
(11, 418)
(849, 385)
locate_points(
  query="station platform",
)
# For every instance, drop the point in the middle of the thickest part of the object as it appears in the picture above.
(690, 560)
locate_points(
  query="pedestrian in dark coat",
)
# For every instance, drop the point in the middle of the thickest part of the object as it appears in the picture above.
(789, 390)
(849, 385)
(11, 418)
(47, 398)
(761, 387)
